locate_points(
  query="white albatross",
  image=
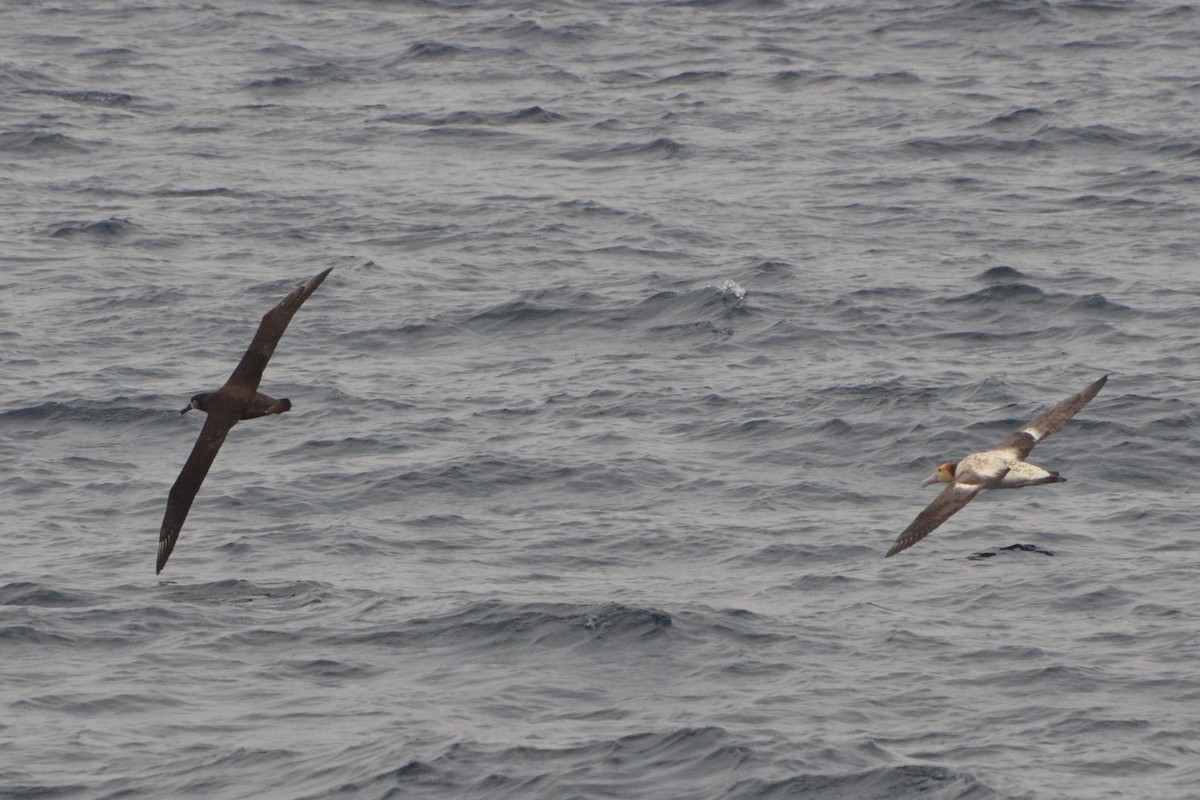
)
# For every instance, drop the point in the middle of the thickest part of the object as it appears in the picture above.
(1002, 467)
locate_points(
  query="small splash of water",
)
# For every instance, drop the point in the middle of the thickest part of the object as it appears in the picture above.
(732, 288)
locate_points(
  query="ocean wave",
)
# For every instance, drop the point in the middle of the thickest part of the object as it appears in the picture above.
(105, 230)
(662, 147)
(907, 780)
(429, 49)
(693, 77)
(91, 97)
(296, 594)
(116, 412)
(41, 143)
(28, 593)
(520, 116)
(495, 624)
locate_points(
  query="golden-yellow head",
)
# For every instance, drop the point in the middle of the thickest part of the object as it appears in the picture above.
(943, 474)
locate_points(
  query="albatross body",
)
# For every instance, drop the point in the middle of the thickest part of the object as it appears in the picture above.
(1002, 467)
(238, 399)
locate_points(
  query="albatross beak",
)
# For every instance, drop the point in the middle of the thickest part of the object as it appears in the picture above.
(931, 480)
(189, 408)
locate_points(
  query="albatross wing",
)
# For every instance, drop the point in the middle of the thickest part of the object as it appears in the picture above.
(944, 506)
(1023, 440)
(249, 370)
(179, 501)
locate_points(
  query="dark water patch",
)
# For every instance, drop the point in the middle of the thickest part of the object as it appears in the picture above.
(529, 114)
(737, 625)
(281, 84)
(531, 314)
(685, 762)
(975, 16)
(898, 78)
(707, 311)
(18, 789)
(1117, 203)
(693, 77)
(995, 334)
(535, 114)
(86, 705)
(1092, 135)
(1019, 117)
(430, 50)
(908, 640)
(666, 311)
(469, 133)
(1108, 598)
(53, 40)
(1098, 304)
(1157, 611)
(290, 595)
(29, 634)
(91, 97)
(824, 583)
(40, 143)
(494, 624)
(774, 269)
(217, 191)
(689, 331)
(25, 593)
(1017, 549)
(916, 780)
(1007, 653)
(347, 446)
(440, 521)
(797, 78)
(1001, 293)
(738, 430)
(661, 147)
(963, 144)
(592, 208)
(108, 230)
(323, 671)
(748, 5)
(517, 27)
(1001, 273)
(80, 411)
(1055, 678)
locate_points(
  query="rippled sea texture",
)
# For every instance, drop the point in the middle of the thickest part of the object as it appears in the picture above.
(646, 320)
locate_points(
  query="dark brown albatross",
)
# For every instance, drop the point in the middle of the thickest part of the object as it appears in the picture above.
(1002, 467)
(238, 399)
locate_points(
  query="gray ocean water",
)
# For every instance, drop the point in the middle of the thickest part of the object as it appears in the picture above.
(645, 322)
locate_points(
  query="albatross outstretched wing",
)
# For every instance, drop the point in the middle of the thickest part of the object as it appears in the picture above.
(944, 506)
(1023, 440)
(249, 370)
(179, 501)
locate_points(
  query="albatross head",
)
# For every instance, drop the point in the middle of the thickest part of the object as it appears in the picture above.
(199, 402)
(943, 474)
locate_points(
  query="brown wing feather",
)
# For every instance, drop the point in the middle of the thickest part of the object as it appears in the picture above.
(1050, 421)
(952, 498)
(249, 370)
(179, 501)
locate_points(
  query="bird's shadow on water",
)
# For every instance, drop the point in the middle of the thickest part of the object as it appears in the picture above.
(983, 555)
